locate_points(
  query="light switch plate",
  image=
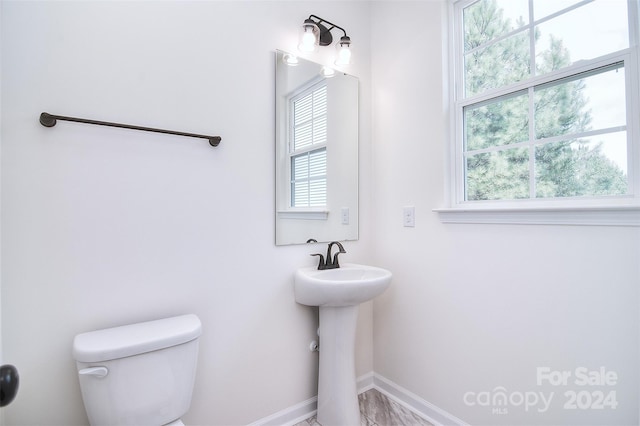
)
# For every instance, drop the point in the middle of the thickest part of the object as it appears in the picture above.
(345, 215)
(409, 216)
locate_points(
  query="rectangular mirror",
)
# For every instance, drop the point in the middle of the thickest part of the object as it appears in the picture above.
(316, 152)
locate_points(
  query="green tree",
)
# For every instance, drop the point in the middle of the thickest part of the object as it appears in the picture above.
(568, 168)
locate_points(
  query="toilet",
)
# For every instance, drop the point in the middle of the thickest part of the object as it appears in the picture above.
(138, 374)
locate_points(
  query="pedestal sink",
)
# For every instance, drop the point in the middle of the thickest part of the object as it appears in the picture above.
(338, 292)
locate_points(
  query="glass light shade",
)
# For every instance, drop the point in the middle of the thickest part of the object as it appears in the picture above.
(290, 60)
(344, 51)
(309, 37)
(327, 72)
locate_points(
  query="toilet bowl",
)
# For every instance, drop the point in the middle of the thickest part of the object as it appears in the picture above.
(138, 374)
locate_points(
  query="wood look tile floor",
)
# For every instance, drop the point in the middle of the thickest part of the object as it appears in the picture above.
(378, 410)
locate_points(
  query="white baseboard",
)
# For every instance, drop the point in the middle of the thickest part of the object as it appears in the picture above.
(299, 412)
(413, 402)
(290, 416)
(365, 382)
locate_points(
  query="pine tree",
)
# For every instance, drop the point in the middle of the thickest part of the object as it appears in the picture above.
(563, 169)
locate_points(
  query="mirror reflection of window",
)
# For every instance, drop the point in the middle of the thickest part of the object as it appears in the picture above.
(308, 147)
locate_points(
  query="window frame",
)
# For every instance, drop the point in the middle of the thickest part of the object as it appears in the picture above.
(292, 211)
(552, 210)
(308, 179)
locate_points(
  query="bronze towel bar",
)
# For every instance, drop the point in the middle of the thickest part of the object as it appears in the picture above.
(49, 120)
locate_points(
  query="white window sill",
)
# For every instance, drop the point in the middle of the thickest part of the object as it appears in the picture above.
(304, 214)
(597, 216)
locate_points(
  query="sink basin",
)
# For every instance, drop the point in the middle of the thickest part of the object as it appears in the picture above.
(349, 285)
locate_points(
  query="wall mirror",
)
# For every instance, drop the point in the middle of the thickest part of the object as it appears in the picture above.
(316, 152)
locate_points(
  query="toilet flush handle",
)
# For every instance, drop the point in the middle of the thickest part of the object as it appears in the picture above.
(94, 371)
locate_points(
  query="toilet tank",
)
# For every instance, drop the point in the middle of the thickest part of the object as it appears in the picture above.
(138, 374)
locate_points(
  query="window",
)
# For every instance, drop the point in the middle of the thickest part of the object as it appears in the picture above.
(308, 147)
(543, 98)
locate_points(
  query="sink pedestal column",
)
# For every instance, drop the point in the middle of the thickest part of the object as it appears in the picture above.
(337, 393)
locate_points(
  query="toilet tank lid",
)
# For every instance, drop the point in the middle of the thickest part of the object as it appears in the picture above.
(134, 339)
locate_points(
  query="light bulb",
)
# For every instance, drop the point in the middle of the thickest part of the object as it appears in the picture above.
(308, 43)
(309, 37)
(344, 51)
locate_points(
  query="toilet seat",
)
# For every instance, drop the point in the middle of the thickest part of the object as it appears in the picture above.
(175, 423)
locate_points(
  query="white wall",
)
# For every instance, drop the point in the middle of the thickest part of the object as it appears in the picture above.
(103, 227)
(1, 352)
(475, 307)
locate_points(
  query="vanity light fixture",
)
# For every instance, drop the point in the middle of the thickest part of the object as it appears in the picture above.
(314, 33)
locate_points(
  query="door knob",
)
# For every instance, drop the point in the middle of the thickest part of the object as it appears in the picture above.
(9, 380)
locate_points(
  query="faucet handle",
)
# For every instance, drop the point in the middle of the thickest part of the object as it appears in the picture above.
(321, 264)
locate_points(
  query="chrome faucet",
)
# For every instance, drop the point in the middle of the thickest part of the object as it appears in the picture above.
(330, 263)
